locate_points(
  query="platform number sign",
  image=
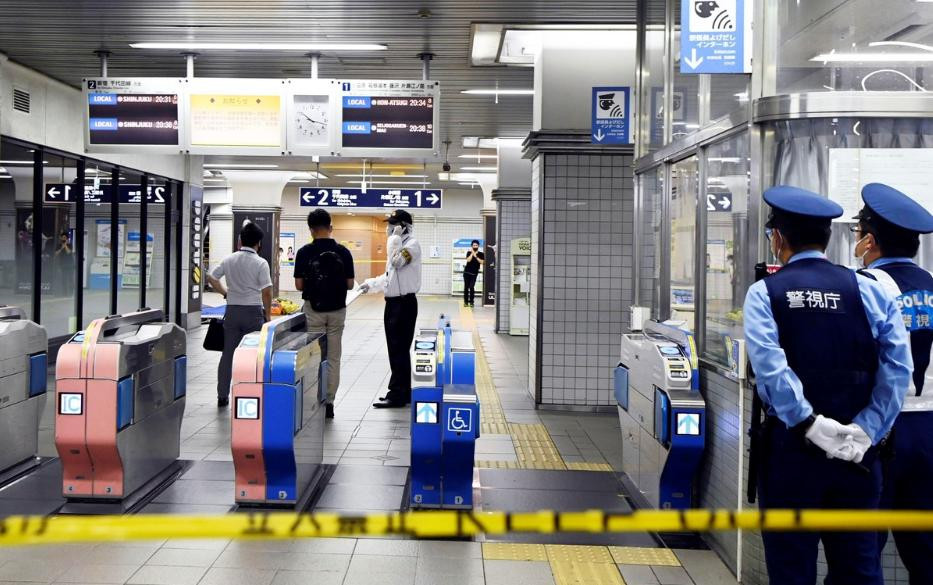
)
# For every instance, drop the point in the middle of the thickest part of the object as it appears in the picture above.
(426, 413)
(460, 420)
(716, 36)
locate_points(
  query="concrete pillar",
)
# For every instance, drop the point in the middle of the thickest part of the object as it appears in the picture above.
(582, 207)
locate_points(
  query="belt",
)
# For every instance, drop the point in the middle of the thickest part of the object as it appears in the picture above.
(398, 298)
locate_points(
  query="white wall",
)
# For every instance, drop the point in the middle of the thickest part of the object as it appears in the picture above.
(56, 120)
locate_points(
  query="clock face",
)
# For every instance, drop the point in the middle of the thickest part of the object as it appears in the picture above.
(312, 120)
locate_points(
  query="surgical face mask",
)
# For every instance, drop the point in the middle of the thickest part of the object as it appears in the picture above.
(860, 259)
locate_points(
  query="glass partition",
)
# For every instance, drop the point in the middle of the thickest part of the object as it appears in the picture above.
(686, 111)
(651, 185)
(684, 189)
(16, 225)
(98, 242)
(862, 45)
(130, 249)
(727, 185)
(159, 198)
(59, 232)
(837, 156)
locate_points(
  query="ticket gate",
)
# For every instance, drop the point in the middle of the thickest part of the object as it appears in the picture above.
(120, 399)
(278, 415)
(661, 413)
(23, 377)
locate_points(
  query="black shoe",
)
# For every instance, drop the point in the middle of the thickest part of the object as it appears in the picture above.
(328, 410)
(223, 402)
(383, 403)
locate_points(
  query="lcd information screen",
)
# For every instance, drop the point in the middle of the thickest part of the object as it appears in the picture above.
(236, 120)
(388, 122)
(132, 118)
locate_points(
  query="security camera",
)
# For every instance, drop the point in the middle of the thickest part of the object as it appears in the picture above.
(446, 166)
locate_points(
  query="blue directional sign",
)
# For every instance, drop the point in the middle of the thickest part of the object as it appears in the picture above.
(611, 109)
(371, 198)
(715, 36)
(688, 423)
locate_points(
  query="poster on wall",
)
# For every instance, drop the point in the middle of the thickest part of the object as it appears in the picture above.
(99, 277)
(104, 237)
(905, 169)
(132, 260)
(195, 247)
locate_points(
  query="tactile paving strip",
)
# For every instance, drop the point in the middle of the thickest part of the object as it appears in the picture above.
(497, 464)
(534, 447)
(506, 551)
(584, 466)
(631, 555)
(578, 553)
(571, 573)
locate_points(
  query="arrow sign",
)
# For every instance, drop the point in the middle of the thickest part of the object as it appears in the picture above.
(377, 198)
(433, 198)
(688, 423)
(426, 413)
(610, 109)
(718, 202)
(725, 203)
(693, 61)
(306, 196)
(599, 135)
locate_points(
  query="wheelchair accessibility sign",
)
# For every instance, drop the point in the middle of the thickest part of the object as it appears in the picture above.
(460, 420)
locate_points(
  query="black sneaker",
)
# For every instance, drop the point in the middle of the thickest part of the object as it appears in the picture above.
(328, 410)
(223, 402)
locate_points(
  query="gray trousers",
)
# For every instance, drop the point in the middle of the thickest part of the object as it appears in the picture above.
(331, 324)
(238, 321)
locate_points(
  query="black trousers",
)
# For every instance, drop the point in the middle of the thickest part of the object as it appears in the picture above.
(400, 316)
(469, 284)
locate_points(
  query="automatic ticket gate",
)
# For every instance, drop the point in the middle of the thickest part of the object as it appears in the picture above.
(661, 413)
(278, 414)
(23, 376)
(120, 399)
(445, 419)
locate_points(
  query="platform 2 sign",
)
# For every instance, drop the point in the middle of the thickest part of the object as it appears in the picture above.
(371, 198)
(388, 115)
(132, 112)
(130, 193)
(715, 36)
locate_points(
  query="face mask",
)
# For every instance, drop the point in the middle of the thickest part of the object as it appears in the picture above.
(860, 261)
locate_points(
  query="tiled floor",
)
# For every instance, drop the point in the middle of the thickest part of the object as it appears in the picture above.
(371, 451)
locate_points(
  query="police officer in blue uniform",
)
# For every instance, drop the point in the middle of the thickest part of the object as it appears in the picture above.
(887, 239)
(832, 362)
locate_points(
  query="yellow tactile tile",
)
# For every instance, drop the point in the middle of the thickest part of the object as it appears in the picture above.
(485, 464)
(583, 466)
(578, 553)
(634, 555)
(573, 573)
(492, 428)
(507, 551)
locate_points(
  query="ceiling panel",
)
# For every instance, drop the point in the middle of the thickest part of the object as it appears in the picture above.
(59, 38)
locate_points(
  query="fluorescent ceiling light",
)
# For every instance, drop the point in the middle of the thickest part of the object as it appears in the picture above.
(873, 58)
(388, 182)
(480, 169)
(482, 156)
(309, 175)
(215, 180)
(499, 91)
(6, 177)
(401, 176)
(240, 166)
(196, 46)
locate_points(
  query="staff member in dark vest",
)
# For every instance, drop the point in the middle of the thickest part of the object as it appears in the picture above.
(888, 238)
(832, 361)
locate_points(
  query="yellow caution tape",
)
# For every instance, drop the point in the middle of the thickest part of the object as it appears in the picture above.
(20, 530)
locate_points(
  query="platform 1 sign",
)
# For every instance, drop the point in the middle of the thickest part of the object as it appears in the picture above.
(371, 198)
(611, 107)
(715, 36)
(129, 193)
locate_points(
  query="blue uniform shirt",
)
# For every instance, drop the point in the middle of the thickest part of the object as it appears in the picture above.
(781, 389)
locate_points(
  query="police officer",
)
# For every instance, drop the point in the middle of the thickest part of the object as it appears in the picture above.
(400, 282)
(887, 239)
(832, 361)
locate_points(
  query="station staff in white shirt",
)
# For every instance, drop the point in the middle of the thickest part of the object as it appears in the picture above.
(400, 282)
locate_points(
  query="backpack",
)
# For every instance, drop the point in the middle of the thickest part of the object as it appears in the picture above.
(326, 283)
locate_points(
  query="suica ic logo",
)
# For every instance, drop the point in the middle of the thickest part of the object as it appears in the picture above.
(712, 15)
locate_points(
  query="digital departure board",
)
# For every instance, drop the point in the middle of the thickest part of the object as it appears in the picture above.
(391, 116)
(132, 112)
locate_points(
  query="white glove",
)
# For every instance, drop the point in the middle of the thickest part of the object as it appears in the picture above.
(831, 436)
(363, 288)
(393, 245)
(858, 443)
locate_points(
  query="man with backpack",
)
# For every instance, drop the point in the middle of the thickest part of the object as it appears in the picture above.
(324, 274)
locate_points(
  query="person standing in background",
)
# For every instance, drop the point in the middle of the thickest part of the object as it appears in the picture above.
(400, 282)
(474, 260)
(249, 300)
(324, 273)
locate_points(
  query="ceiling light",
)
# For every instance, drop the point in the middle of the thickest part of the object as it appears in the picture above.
(399, 176)
(873, 58)
(388, 182)
(240, 166)
(215, 180)
(480, 169)
(6, 177)
(309, 175)
(478, 156)
(195, 46)
(14, 163)
(499, 91)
